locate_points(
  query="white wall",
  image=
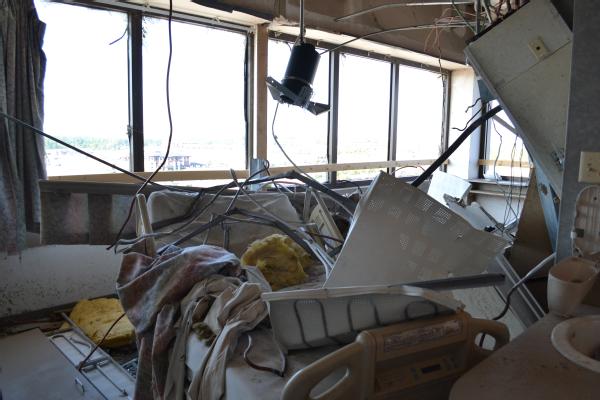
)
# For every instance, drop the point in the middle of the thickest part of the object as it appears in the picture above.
(464, 162)
(497, 206)
(48, 276)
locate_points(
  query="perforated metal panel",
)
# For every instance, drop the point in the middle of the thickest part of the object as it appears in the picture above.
(401, 234)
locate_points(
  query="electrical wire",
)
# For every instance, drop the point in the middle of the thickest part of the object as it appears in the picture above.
(298, 169)
(191, 215)
(120, 37)
(403, 28)
(437, 42)
(442, 19)
(501, 227)
(488, 13)
(396, 169)
(474, 104)
(167, 152)
(83, 152)
(82, 363)
(506, 199)
(384, 6)
(146, 182)
(469, 121)
(511, 183)
(511, 186)
(520, 179)
(301, 36)
(463, 17)
(281, 147)
(251, 364)
(319, 235)
(452, 148)
(356, 185)
(277, 185)
(232, 172)
(527, 277)
(256, 203)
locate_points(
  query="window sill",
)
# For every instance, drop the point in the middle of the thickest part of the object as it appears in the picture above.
(504, 182)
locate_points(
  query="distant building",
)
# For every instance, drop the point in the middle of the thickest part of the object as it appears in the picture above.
(174, 162)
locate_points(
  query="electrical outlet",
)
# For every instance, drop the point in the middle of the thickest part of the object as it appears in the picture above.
(539, 49)
(589, 167)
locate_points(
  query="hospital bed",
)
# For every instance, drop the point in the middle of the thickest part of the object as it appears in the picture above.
(418, 359)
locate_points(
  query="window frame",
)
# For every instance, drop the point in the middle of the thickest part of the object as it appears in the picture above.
(136, 13)
(395, 63)
(484, 152)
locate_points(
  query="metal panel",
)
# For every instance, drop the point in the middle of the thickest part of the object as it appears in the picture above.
(503, 52)
(550, 202)
(533, 88)
(584, 118)
(100, 369)
(400, 234)
(32, 368)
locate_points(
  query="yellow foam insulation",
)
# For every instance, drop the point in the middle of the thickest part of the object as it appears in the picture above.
(94, 317)
(279, 259)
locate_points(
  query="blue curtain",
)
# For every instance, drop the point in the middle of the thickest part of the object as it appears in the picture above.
(22, 68)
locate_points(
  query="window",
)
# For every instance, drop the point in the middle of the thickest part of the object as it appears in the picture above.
(207, 97)
(502, 146)
(302, 135)
(87, 98)
(85, 87)
(420, 116)
(364, 95)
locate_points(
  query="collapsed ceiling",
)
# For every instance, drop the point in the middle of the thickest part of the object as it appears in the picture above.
(322, 15)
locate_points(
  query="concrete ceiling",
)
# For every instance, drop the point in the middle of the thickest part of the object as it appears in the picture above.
(321, 15)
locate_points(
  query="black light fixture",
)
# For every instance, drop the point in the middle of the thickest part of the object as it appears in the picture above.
(296, 86)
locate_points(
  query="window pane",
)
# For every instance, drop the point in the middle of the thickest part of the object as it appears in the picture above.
(302, 135)
(207, 97)
(420, 116)
(363, 113)
(503, 145)
(85, 88)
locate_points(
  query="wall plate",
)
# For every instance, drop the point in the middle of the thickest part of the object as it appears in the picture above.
(589, 167)
(538, 48)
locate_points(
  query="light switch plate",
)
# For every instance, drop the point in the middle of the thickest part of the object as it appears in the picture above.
(589, 167)
(538, 48)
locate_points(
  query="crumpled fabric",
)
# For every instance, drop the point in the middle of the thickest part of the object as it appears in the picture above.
(193, 308)
(151, 292)
(232, 313)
